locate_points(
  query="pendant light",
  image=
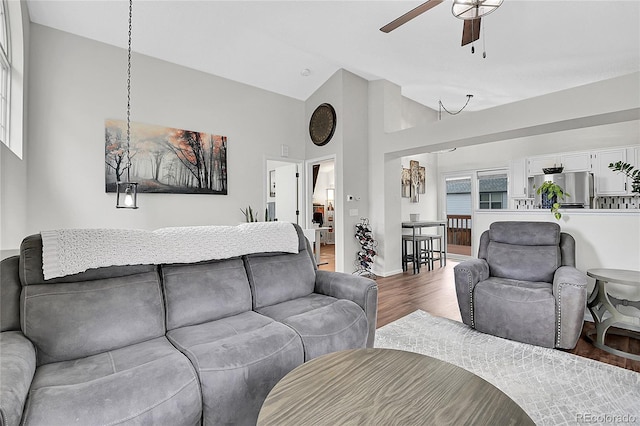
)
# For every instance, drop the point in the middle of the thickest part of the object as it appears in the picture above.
(127, 191)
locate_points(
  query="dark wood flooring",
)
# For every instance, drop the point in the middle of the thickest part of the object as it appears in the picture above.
(434, 292)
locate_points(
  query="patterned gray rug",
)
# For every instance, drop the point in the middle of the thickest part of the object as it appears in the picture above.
(553, 387)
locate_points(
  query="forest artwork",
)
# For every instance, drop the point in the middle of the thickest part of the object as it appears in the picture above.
(165, 160)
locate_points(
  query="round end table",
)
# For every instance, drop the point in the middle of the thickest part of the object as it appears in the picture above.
(605, 308)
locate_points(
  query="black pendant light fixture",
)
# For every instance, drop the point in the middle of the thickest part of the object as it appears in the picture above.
(127, 191)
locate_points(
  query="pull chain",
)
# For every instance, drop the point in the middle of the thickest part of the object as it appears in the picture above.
(129, 95)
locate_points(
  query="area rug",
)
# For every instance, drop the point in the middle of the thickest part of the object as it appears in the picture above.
(553, 387)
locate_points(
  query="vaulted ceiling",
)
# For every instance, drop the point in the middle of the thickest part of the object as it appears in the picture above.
(532, 47)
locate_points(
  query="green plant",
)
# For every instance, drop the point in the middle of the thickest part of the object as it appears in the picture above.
(630, 171)
(249, 215)
(551, 190)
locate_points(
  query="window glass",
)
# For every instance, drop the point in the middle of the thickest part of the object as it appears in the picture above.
(492, 189)
(5, 75)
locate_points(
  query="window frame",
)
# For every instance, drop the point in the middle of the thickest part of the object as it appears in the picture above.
(5, 76)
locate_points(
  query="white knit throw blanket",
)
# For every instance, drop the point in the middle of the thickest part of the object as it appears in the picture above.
(70, 251)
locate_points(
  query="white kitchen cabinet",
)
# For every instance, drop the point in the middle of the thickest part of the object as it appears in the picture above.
(518, 178)
(609, 182)
(536, 164)
(576, 162)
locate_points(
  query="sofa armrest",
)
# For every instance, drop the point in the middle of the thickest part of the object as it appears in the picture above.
(360, 290)
(17, 367)
(570, 292)
(467, 274)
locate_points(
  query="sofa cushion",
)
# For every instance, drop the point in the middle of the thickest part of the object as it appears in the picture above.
(523, 262)
(239, 359)
(10, 289)
(281, 277)
(525, 233)
(147, 383)
(516, 309)
(17, 367)
(203, 292)
(325, 324)
(73, 320)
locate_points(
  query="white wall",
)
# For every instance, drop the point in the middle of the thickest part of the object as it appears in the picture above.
(13, 170)
(484, 156)
(427, 207)
(76, 83)
(348, 94)
(548, 119)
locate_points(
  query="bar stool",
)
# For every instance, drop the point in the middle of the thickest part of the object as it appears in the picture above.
(417, 251)
(428, 252)
(407, 241)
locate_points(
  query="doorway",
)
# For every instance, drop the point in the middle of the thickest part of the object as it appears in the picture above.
(459, 206)
(323, 210)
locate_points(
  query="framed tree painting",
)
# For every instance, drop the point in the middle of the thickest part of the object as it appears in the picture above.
(165, 160)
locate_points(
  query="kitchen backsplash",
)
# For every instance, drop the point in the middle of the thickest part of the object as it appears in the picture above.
(612, 202)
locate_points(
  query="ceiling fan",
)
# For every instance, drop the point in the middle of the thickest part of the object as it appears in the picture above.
(469, 11)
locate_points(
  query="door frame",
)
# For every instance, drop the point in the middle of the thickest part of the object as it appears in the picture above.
(472, 175)
(337, 208)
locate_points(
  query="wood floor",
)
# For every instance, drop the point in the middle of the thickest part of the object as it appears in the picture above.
(434, 292)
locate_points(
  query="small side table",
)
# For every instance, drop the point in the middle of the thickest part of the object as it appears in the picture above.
(605, 308)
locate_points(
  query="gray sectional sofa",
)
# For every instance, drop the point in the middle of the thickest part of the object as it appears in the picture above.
(174, 344)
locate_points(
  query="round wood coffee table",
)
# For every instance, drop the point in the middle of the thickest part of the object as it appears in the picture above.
(386, 386)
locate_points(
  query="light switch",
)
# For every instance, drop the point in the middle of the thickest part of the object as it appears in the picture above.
(353, 212)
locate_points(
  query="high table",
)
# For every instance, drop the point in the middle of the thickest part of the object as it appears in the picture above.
(428, 224)
(316, 234)
(607, 309)
(386, 386)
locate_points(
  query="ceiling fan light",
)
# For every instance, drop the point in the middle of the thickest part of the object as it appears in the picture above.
(473, 9)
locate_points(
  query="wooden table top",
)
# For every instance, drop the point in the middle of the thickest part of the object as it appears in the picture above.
(386, 386)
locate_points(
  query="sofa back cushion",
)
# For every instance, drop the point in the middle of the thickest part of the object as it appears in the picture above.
(278, 277)
(87, 313)
(202, 292)
(10, 289)
(528, 251)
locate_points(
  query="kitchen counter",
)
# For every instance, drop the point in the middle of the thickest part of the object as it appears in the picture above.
(563, 211)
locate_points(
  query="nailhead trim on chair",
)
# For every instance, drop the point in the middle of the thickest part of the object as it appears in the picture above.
(559, 315)
(473, 322)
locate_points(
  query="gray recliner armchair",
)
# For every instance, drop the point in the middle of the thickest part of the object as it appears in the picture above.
(524, 285)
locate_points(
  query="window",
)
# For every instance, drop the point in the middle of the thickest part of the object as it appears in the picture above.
(5, 75)
(492, 189)
(12, 74)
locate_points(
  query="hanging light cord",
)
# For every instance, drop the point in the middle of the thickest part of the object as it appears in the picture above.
(129, 95)
(442, 107)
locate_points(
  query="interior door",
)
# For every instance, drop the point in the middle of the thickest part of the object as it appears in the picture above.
(287, 193)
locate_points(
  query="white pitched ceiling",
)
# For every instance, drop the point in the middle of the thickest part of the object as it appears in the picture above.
(532, 47)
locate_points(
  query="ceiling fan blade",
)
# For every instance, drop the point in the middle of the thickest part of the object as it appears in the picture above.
(470, 31)
(410, 15)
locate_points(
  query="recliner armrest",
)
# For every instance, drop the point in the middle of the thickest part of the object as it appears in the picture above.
(363, 291)
(570, 292)
(17, 367)
(467, 274)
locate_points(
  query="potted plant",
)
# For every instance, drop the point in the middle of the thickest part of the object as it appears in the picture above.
(551, 193)
(630, 172)
(249, 214)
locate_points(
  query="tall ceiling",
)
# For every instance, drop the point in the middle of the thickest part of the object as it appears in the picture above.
(532, 47)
